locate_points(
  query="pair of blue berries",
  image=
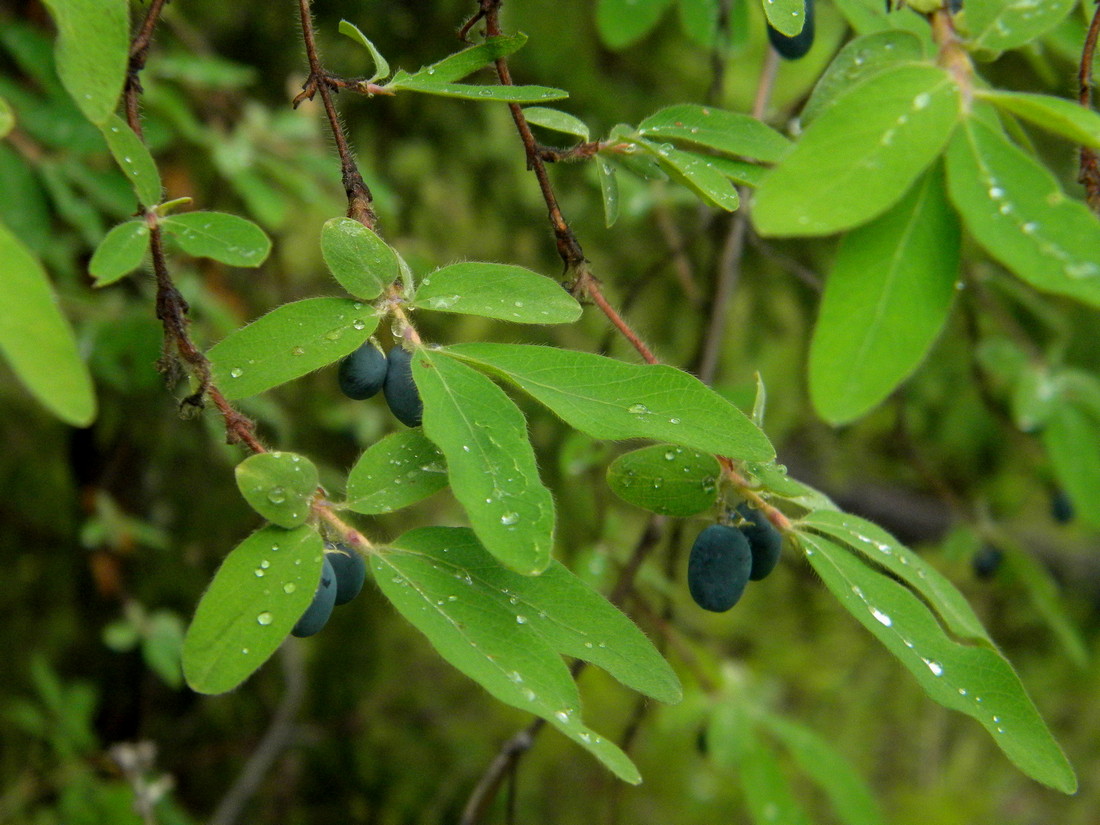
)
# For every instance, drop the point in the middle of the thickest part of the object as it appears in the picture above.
(342, 574)
(725, 559)
(368, 370)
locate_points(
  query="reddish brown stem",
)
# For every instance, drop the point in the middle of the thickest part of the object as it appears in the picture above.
(1090, 161)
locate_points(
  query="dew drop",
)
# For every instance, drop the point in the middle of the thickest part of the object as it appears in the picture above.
(244, 650)
(674, 421)
(529, 694)
(670, 455)
(509, 518)
(921, 101)
(935, 667)
(562, 715)
(638, 409)
(289, 588)
(259, 573)
(276, 495)
(881, 617)
(265, 618)
(297, 351)
(236, 372)
(521, 620)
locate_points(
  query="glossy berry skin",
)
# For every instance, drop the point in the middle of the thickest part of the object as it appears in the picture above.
(718, 567)
(765, 541)
(400, 389)
(319, 610)
(350, 570)
(795, 47)
(1061, 508)
(986, 561)
(363, 372)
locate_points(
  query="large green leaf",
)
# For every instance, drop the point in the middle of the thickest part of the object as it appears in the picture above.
(279, 486)
(503, 291)
(611, 399)
(885, 301)
(666, 479)
(996, 25)
(362, 262)
(37, 341)
(133, 159)
(861, 154)
(728, 132)
(399, 470)
(622, 22)
(508, 640)
(976, 680)
(261, 589)
(1067, 118)
(93, 50)
(289, 342)
(1071, 439)
(490, 461)
(120, 252)
(227, 238)
(786, 16)
(1016, 209)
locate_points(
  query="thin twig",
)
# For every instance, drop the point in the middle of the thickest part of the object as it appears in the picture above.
(1090, 161)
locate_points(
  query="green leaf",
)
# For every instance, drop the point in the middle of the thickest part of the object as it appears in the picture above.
(1017, 211)
(397, 471)
(226, 238)
(880, 548)
(261, 589)
(666, 479)
(458, 65)
(465, 91)
(695, 172)
(623, 22)
(859, 60)
(976, 681)
(37, 341)
(441, 581)
(840, 175)
(358, 259)
(825, 765)
(381, 67)
(699, 20)
(609, 191)
(93, 51)
(289, 342)
(1067, 118)
(557, 121)
(739, 171)
(885, 302)
(133, 159)
(120, 252)
(503, 291)
(996, 25)
(490, 461)
(162, 647)
(729, 132)
(614, 400)
(279, 486)
(7, 118)
(1071, 440)
(786, 16)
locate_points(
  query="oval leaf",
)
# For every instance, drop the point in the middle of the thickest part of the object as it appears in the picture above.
(133, 159)
(837, 177)
(728, 132)
(93, 51)
(361, 261)
(261, 589)
(37, 341)
(786, 16)
(399, 470)
(289, 342)
(557, 121)
(120, 252)
(463, 91)
(226, 238)
(279, 486)
(1062, 117)
(622, 22)
(996, 25)
(695, 172)
(510, 293)
(666, 479)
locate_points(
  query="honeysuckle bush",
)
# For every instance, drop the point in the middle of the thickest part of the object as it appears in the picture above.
(884, 268)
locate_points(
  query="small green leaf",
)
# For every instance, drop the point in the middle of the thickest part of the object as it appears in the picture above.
(36, 339)
(397, 471)
(490, 461)
(120, 252)
(695, 172)
(510, 293)
(614, 400)
(739, 171)
(609, 191)
(1067, 118)
(976, 681)
(464, 91)
(459, 65)
(623, 22)
(289, 342)
(837, 176)
(786, 16)
(1017, 211)
(358, 259)
(728, 132)
(133, 159)
(885, 302)
(7, 118)
(859, 60)
(557, 121)
(279, 486)
(666, 479)
(381, 67)
(699, 20)
(226, 238)
(162, 647)
(449, 589)
(996, 25)
(261, 589)
(1071, 439)
(93, 51)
